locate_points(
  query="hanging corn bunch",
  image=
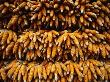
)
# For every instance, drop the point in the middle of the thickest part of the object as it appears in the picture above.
(56, 15)
(89, 70)
(51, 44)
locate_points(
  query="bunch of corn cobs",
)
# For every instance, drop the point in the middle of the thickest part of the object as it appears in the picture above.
(54, 40)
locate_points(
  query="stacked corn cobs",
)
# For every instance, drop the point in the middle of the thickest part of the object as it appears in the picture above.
(54, 41)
